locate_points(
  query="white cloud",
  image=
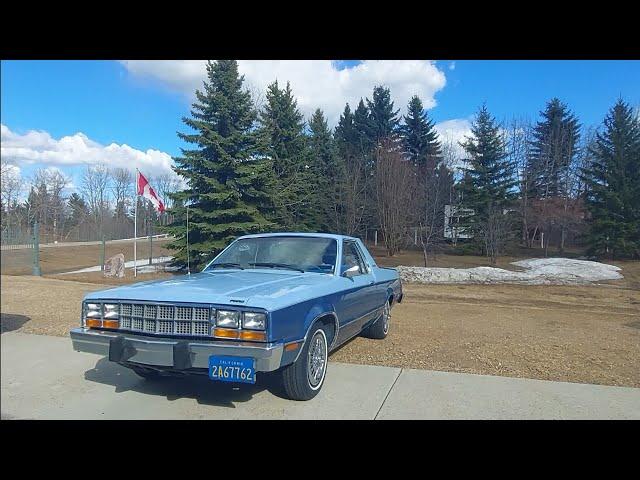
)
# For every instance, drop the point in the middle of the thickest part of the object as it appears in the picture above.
(315, 83)
(10, 172)
(39, 147)
(454, 131)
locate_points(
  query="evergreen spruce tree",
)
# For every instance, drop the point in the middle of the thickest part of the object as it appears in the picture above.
(554, 146)
(613, 181)
(384, 120)
(78, 209)
(490, 178)
(345, 135)
(364, 131)
(226, 174)
(419, 137)
(325, 169)
(352, 150)
(283, 131)
(488, 182)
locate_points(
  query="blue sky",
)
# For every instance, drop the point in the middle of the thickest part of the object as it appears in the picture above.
(140, 104)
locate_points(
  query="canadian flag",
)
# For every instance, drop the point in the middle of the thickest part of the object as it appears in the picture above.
(148, 192)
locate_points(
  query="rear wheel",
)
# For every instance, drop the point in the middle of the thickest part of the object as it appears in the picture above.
(380, 327)
(303, 379)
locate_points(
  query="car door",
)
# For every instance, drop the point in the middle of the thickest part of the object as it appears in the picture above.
(358, 297)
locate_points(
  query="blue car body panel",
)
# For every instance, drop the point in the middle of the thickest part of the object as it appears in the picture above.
(293, 300)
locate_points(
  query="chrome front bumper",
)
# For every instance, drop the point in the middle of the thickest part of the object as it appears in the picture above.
(171, 352)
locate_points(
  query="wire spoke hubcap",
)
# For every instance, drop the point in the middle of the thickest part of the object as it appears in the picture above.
(386, 315)
(317, 359)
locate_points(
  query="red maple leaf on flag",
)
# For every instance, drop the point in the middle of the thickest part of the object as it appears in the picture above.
(147, 191)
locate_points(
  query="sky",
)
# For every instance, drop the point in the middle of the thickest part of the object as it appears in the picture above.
(67, 114)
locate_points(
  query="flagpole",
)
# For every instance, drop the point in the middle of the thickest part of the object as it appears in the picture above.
(135, 231)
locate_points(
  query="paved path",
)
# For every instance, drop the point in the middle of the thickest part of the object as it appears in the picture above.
(42, 377)
(142, 264)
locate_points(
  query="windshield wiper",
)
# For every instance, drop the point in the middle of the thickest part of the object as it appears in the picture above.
(226, 265)
(276, 265)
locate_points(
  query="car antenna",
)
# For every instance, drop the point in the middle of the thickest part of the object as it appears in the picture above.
(188, 259)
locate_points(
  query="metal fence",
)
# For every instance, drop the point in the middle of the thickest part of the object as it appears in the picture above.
(13, 238)
(29, 251)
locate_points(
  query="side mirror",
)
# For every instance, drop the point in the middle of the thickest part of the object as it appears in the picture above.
(352, 272)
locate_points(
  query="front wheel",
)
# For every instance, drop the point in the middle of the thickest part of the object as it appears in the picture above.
(303, 379)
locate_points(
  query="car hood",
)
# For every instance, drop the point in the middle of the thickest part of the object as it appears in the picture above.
(270, 290)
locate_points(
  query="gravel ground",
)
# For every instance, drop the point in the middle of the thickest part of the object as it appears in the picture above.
(587, 334)
(40, 305)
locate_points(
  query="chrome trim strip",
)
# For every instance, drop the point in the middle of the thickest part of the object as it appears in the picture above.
(335, 335)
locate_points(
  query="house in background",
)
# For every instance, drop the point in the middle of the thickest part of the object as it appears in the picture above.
(453, 222)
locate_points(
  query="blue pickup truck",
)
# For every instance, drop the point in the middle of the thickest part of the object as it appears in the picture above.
(268, 302)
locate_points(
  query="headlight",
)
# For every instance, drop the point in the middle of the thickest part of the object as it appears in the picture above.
(254, 321)
(94, 310)
(228, 319)
(111, 310)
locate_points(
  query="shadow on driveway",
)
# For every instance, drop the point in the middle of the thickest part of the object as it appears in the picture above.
(10, 322)
(197, 387)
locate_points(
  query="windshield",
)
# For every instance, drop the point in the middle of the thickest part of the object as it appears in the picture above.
(308, 254)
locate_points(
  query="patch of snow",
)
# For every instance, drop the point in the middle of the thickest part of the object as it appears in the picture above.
(142, 264)
(538, 271)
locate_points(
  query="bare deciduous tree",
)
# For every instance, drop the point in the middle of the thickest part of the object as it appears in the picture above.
(57, 182)
(167, 183)
(393, 180)
(95, 190)
(122, 186)
(495, 231)
(519, 136)
(349, 205)
(12, 187)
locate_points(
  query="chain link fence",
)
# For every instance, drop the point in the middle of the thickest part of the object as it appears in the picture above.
(32, 251)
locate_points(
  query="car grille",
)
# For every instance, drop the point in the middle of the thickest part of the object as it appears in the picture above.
(166, 319)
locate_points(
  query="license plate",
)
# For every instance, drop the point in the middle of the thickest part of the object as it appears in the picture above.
(232, 369)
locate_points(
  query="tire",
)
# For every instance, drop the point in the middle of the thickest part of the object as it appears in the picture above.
(146, 373)
(380, 328)
(303, 379)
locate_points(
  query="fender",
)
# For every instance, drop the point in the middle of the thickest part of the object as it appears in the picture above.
(314, 314)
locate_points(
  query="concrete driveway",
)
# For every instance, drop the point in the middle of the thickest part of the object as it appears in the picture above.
(43, 378)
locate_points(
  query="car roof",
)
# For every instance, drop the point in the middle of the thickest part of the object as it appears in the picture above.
(299, 234)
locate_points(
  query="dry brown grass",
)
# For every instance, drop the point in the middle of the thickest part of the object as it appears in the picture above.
(40, 305)
(587, 334)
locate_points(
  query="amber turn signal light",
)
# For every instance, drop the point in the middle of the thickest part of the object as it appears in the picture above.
(93, 323)
(254, 336)
(240, 334)
(291, 347)
(111, 324)
(225, 333)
